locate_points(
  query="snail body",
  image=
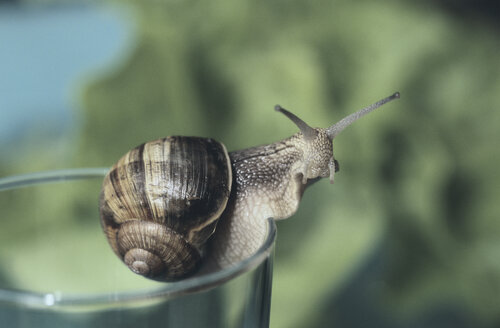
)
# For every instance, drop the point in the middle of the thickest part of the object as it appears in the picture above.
(170, 204)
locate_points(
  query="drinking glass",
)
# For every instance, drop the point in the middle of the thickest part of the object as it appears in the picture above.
(56, 269)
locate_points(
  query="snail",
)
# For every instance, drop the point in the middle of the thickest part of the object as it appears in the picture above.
(170, 204)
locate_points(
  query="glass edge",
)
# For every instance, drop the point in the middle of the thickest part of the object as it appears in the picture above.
(170, 290)
(29, 179)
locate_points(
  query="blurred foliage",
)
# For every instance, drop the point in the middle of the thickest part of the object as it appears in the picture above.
(409, 234)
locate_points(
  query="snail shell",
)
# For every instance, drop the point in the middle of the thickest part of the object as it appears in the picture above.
(154, 220)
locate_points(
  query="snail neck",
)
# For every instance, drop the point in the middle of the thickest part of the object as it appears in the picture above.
(268, 178)
(267, 182)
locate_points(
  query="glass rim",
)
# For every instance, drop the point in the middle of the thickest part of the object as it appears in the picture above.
(168, 291)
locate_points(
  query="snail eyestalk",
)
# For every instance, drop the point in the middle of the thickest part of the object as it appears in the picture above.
(308, 132)
(335, 129)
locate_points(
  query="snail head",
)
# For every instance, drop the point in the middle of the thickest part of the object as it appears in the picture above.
(316, 143)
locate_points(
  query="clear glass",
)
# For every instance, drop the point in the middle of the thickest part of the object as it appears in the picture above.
(57, 270)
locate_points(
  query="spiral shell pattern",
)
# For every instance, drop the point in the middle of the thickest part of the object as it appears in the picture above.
(161, 201)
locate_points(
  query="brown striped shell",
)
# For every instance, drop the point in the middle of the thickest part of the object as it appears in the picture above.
(161, 201)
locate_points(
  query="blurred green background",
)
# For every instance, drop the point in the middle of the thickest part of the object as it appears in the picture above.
(408, 236)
